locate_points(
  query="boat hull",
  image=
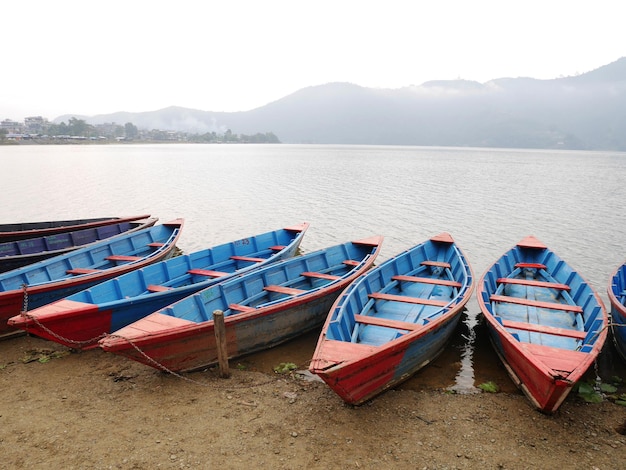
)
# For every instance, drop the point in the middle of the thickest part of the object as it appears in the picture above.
(47, 281)
(21, 231)
(262, 308)
(16, 254)
(547, 325)
(617, 298)
(393, 321)
(194, 348)
(384, 368)
(79, 322)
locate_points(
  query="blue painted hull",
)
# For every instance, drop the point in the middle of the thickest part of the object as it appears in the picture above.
(262, 308)
(15, 254)
(617, 297)
(23, 230)
(43, 282)
(546, 323)
(81, 319)
(394, 320)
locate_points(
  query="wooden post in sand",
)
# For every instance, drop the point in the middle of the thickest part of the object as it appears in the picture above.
(220, 339)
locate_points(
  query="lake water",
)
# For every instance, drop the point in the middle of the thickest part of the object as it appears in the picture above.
(488, 199)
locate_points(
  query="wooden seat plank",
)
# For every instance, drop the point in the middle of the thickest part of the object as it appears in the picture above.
(283, 290)
(426, 280)
(330, 277)
(533, 283)
(207, 272)
(157, 288)
(241, 308)
(438, 264)
(81, 271)
(551, 330)
(247, 258)
(531, 265)
(123, 258)
(410, 300)
(536, 303)
(385, 322)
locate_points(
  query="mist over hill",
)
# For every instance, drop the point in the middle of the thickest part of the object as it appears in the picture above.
(587, 111)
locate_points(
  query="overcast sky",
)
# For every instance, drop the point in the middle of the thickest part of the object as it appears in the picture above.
(83, 57)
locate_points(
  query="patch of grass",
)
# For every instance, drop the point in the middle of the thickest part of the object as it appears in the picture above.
(489, 387)
(588, 393)
(596, 393)
(285, 367)
(43, 355)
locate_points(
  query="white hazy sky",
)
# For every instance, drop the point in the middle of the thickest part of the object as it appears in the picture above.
(81, 57)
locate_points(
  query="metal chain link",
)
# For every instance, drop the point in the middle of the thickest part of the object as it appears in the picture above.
(67, 341)
(81, 344)
(176, 374)
(25, 298)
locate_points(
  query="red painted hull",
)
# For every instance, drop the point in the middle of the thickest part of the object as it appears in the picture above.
(40, 229)
(12, 302)
(359, 367)
(358, 372)
(544, 358)
(64, 319)
(546, 388)
(169, 343)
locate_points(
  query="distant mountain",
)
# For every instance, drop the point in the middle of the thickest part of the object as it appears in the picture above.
(587, 111)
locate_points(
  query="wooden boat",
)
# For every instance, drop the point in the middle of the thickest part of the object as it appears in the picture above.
(15, 254)
(547, 324)
(617, 297)
(80, 320)
(394, 320)
(52, 279)
(22, 230)
(261, 309)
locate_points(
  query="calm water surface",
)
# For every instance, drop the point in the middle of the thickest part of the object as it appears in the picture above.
(488, 199)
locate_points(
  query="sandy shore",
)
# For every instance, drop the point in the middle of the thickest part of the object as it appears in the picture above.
(60, 409)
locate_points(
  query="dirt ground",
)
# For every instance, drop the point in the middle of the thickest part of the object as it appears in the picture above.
(95, 410)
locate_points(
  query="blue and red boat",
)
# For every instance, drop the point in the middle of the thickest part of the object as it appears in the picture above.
(617, 298)
(394, 320)
(80, 320)
(52, 279)
(262, 308)
(547, 324)
(22, 230)
(15, 254)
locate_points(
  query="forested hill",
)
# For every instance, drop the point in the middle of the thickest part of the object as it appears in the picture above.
(587, 111)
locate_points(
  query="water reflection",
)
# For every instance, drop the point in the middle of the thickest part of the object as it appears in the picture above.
(464, 380)
(468, 361)
(347, 192)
